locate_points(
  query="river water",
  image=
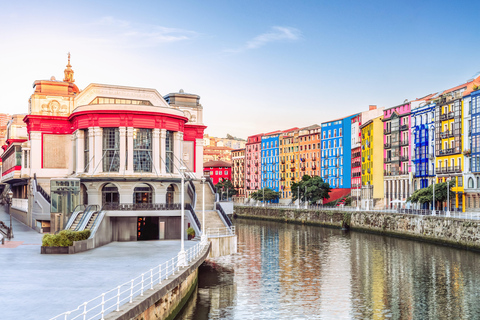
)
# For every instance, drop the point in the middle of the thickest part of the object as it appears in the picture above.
(286, 271)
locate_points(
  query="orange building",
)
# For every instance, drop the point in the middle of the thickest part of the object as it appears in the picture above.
(309, 140)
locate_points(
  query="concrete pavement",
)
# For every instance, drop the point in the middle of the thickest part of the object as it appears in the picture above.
(36, 286)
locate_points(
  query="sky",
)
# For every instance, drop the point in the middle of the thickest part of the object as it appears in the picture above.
(258, 66)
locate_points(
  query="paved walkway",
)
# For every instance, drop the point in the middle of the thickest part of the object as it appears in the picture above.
(38, 286)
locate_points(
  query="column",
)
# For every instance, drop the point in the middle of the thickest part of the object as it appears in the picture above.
(72, 163)
(36, 150)
(91, 148)
(129, 169)
(156, 151)
(177, 150)
(98, 135)
(163, 154)
(80, 147)
(123, 151)
(198, 161)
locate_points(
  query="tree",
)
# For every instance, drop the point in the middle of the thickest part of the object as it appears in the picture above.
(226, 186)
(266, 194)
(425, 195)
(316, 189)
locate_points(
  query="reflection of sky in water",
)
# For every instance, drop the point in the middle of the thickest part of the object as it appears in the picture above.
(285, 271)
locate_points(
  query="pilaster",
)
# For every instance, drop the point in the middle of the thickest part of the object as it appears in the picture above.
(98, 135)
(123, 150)
(129, 169)
(163, 154)
(198, 161)
(80, 150)
(156, 151)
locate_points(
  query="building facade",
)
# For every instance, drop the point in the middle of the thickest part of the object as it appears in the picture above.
(372, 190)
(472, 152)
(289, 162)
(397, 155)
(218, 171)
(92, 147)
(270, 161)
(238, 173)
(253, 158)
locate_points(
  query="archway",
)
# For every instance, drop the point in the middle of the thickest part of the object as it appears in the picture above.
(170, 199)
(142, 193)
(110, 196)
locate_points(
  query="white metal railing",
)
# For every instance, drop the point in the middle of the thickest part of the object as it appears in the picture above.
(111, 300)
(423, 212)
(220, 232)
(20, 204)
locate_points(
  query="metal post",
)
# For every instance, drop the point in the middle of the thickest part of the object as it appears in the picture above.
(263, 189)
(305, 198)
(433, 204)
(448, 198)
(204, 230)
(10, 230)
(298, 196)
(181, 255)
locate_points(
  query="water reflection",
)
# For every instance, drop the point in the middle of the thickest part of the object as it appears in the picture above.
(285, 271)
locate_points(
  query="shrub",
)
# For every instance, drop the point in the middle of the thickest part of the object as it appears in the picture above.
(64, 238)
(191, 232)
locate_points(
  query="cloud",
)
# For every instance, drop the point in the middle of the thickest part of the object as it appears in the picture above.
(122, 31)
(276, 34)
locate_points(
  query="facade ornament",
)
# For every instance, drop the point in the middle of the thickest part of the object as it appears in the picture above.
(68, 72)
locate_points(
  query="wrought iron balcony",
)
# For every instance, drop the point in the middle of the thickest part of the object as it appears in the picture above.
(387, 145)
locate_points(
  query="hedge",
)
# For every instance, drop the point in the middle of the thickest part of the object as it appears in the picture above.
(64, 238)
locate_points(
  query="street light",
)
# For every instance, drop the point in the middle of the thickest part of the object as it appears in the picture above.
(182, 257)
(448, 198)
(204, 235)
(10, 230)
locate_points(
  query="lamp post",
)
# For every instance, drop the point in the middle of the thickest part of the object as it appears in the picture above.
(433, 204)
(10, 230)
(182, 261)
(204, 235)
(448, 198)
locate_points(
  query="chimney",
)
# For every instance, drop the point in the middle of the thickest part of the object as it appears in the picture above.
(372, 107)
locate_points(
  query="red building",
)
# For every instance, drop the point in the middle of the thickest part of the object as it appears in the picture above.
(356, 181)
(218, 170)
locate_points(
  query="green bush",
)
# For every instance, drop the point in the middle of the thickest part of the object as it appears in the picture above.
(191, 232)
(64, 238)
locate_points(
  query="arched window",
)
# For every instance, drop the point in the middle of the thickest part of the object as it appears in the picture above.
(110, 195)
(470, 182)
(170, 194)
(142, 193)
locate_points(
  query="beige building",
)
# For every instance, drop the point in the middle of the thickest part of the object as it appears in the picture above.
(238, 172)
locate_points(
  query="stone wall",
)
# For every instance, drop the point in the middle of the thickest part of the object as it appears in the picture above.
(447, 231)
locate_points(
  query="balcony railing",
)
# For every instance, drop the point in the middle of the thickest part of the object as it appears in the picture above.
(393, 173)
(403, 158)
(404, 143)
(449, 151)
(292, 169)
(404, 127)
(141, 206)
(387, 131)
(387, 145)
(292, 161)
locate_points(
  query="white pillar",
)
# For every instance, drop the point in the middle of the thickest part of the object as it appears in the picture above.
(98, 135)
(129, 170)
(72, 161)
(198, 161)
(36, 150)
(156, 151)
(80, 154)
(123, 150)
(163, 154)
(91, 148)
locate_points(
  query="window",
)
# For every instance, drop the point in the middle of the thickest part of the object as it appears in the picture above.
(226, 172)
(142, 150)
(111, 150)
(169, 152)
(86, 151)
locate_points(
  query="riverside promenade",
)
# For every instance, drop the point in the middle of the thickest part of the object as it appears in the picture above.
(38, 286)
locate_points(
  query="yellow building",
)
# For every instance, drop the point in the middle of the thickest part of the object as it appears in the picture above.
(372, 164)
(289, 162)
(448, 142)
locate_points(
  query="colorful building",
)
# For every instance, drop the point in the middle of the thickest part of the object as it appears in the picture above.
(397, 155)
(336, 152)
(218, 171)
(289, 159)
(372, 190)
(270, 161)
(310, 146)
(238, 172)
(472, 154)
(253, 158)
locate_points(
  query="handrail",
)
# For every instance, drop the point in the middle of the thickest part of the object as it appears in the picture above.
(111, 300)
(189, 207)
(210, 183)
(141, 206)
(79, 208)
(94, 227)
(226, 219)
(220, 232)
(87, 213)
(40, 190)
(191, 192)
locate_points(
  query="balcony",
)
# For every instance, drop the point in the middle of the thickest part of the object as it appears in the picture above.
(404, 143)
(314, 159)
(292, 161)
(325, 176)
(404, 127)
(292, 169)
(445, 152)
(447, 116)
(282, 179)
(388, 160)
(314, 168)
(387, 131)
(283, 161)
(393, 173)
(387, 145)
(403, 158)
(302, 159)
(302, 168)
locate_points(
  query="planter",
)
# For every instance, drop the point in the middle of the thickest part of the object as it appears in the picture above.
(190, 237)
(56, 250)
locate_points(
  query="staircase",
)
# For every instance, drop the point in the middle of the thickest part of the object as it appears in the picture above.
(212, 218)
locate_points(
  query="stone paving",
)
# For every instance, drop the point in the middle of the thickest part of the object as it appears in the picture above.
(38, 286)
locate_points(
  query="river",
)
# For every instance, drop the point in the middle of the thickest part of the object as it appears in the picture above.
(287, 271)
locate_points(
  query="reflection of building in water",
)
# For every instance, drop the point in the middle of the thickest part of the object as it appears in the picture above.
(336, 280)
(270, 264)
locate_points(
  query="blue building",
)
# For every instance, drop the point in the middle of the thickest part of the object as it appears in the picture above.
(475, 133)
(270, 161)
(336, 152)
(423, 131)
